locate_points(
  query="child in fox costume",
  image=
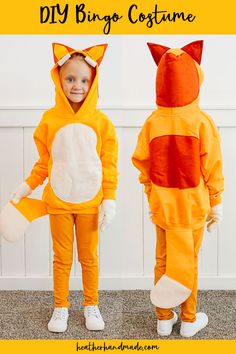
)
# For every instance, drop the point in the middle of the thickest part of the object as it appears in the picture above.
(77, 148)
(178, 154)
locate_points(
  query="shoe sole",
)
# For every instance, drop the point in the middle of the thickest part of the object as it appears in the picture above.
(193, 333)
(60, 331)
(97, 329)
(94, 329)
(164, 333)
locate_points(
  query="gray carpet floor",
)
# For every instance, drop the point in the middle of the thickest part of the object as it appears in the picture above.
(127, 314)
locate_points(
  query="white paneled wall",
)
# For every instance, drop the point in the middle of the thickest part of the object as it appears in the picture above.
(127, 249)
(127, 95)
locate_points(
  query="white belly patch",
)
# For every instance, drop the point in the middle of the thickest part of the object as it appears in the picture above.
(76, 174)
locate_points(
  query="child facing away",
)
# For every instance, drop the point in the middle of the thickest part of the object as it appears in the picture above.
(178, 154)
(77, 148)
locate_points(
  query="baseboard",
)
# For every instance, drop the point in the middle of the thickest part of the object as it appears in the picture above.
(111, 283)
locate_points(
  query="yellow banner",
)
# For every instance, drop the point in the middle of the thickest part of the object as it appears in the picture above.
(118, 17)
(118, 346)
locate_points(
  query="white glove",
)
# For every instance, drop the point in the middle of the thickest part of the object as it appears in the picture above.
(215, 217)
(21, 191)
(150, 213)
(107, 213)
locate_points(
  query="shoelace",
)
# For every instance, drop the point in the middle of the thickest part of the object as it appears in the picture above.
(93, 311)
(60, 314)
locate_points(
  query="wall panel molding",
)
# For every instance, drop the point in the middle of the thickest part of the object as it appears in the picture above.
(111, 283)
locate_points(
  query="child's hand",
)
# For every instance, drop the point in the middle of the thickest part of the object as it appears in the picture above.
(107, 213)
(150, 213)
(21, 191)
(215, 217)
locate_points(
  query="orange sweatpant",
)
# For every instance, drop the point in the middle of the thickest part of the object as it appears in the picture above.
(188, 308)
(86, 231)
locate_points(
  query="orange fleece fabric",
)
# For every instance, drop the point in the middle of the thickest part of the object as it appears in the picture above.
(77, 151)
(178, 150)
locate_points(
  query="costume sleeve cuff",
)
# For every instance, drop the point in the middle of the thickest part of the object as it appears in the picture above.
(109, 193)
(31, 182)
(215, 200)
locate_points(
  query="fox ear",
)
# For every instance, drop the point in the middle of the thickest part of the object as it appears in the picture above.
(157, 51)
(194, 49)
(61, 51)
(96, 52)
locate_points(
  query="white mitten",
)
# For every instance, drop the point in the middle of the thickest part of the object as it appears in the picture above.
(150, 213)
(107, 213)
(21, 191)
(215, 217)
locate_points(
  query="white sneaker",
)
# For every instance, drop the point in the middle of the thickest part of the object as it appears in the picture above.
(58, 321)
(164, 327)
(189, 329)
(93, 318)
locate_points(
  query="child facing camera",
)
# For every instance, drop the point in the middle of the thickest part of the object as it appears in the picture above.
(77, 148)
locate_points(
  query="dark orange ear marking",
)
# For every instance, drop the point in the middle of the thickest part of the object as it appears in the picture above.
(195, 50)
(157, 51)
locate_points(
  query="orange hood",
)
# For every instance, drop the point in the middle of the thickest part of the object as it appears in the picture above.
(93, 55)
(179, 75)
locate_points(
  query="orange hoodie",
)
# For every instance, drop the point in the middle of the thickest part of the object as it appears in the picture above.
(77, 151)
(178, 151)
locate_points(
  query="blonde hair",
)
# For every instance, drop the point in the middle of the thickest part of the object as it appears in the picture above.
(77, 55)
(80, 57)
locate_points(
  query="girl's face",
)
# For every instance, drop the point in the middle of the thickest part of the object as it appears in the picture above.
(76, 79)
